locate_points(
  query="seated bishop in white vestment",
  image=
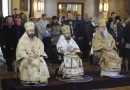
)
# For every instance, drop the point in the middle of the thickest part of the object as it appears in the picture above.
(72, 66)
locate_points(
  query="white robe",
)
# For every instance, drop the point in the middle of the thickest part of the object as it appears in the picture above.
(37, 70)
(72, 64)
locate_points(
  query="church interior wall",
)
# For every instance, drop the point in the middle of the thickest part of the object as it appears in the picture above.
(16, 4)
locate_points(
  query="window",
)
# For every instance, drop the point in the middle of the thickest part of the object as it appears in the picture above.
(75, 8)
(5, 7)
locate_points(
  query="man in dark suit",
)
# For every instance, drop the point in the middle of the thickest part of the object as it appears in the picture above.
(71, 22)
(110, 19)
(15, 13)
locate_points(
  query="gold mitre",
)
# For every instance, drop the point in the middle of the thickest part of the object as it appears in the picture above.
(101, 22)
(65, 28)
(29, 26)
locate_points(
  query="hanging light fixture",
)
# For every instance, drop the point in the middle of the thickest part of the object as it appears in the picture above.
(105, 6)
(60, 6)
(40, 5)
(100, 7)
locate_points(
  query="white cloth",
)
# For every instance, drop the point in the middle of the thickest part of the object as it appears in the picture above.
(1, 54)
(109, 74)
(63, 44)
(72, 64)
(1, 57)
(91, 51)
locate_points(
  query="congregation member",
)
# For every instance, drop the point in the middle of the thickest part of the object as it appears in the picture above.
(87, 20)
(119, 34)
(1, 19)
(124, 26)
(90, 31)
(116, 31)
(19, 28)
(47, 43)
(23, 18)
(41, 25)
(125, 22)
(110, 19)
(126, 49)
(55, 34)
(80, 35)
(71, 22)
(110, 62)
(1, 22)
(8, 42)
(14, 16)
(30, 55)
(72, 66)
(61, 20)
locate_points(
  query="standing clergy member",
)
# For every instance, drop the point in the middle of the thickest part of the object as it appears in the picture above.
(30, 53)
(72, 64)
(110, 61)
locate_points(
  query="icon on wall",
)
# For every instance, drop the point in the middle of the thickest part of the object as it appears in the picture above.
(23, 5)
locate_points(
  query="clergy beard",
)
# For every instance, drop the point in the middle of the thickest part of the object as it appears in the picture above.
(104, 33)
(67, 38)
(31, 36)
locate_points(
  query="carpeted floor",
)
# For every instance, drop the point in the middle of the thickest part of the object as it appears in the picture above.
(55, 84)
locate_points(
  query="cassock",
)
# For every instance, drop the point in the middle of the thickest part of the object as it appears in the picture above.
(72, 66)
(36, 71)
